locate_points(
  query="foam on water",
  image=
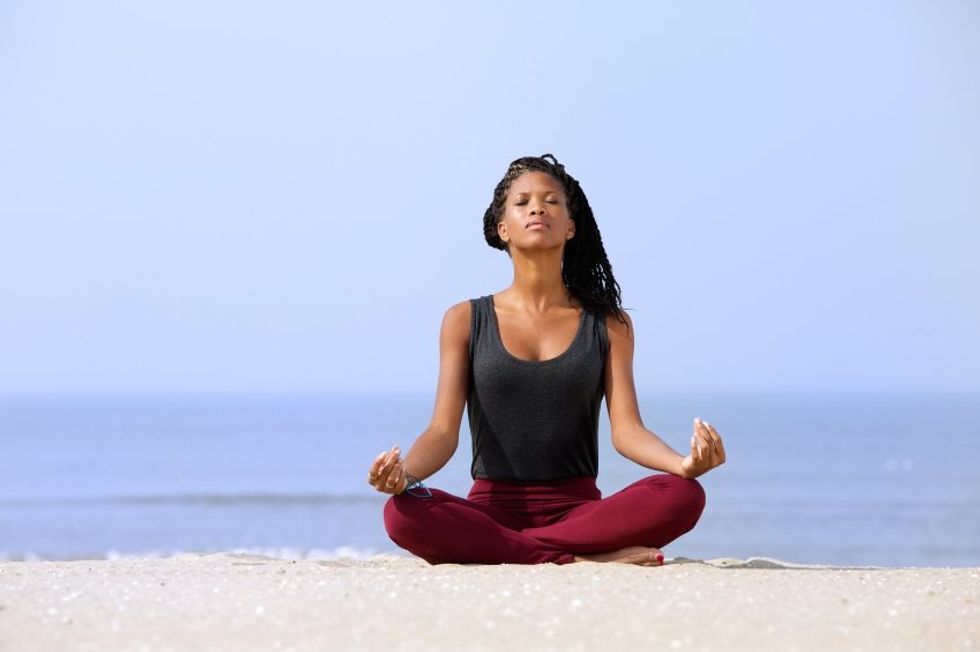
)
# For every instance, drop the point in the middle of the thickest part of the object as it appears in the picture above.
(351, 552)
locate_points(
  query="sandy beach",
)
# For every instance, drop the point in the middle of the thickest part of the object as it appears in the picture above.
(236, 601)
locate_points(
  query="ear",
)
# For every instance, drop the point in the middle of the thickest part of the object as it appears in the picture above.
(502, 231)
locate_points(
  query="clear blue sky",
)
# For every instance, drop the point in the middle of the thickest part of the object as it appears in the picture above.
(251, 197)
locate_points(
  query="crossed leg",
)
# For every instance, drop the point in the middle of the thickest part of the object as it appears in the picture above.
(650, 513)
(445, 528)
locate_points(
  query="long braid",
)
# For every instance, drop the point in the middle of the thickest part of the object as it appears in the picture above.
(586, 270)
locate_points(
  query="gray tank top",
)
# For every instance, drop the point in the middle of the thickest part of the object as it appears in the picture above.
(534, 420)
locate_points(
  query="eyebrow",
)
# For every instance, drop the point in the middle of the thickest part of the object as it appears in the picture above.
(518, 194)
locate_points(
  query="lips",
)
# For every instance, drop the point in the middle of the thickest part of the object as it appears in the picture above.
(533, 223)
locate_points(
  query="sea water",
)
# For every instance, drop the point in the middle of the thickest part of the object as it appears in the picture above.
(888, 480)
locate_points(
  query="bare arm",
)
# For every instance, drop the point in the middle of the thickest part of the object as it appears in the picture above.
(436, 445)
(630, 438)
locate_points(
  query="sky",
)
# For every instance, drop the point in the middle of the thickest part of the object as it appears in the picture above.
(235, 197)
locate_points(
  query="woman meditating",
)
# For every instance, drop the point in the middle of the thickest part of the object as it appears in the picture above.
(531, 364)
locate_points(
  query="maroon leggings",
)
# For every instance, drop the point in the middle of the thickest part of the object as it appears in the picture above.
(534, 523)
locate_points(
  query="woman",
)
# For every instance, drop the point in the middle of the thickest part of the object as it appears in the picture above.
(532, 364)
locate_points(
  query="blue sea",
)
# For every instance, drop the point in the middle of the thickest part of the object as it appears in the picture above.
(885, 480)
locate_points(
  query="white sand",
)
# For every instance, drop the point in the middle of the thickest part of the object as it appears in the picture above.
(238, 602)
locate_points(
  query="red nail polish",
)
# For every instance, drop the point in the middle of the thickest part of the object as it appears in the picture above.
(660, 558)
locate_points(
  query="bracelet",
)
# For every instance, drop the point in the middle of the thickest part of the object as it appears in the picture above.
(413, 482)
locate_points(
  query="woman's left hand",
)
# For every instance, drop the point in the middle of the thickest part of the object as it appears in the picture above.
(707, 450)
(387, 474)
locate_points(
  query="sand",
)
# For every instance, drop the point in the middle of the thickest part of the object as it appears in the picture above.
(233, 601)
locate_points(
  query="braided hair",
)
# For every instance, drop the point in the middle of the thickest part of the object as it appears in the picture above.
(586, 271)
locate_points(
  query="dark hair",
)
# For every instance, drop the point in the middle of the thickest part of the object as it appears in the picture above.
(586, 271)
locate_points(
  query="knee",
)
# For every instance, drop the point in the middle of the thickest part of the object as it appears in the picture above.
(691, 498)
(687, 496)
(688, 501)
(394, 517)
(694, 496)
(400, 518)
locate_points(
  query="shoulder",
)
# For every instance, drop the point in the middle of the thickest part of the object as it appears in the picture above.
(619, 328)
(460, 310)
(456, 320)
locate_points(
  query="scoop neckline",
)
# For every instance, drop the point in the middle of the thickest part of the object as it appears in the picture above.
(500, 339)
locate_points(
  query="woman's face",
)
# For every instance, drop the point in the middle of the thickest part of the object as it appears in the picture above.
(536, 213)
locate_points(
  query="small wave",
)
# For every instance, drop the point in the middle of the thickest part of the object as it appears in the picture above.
(205, 499)
(768, 563)
(267, 552)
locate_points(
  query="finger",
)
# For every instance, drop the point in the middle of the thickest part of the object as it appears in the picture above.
(390, 453)
(389, 458)
(703, 436)
(702, 429)
(376, 464)
(384, 474)
(716, 441)
(712, 432)
(377, 467)
(379, 482)
(717, 450)
(707, 450)
(711, 435)
(402, 483)
(711, 453)
(720, 447)
(707, 442)
(395, 476)
(703, 439)
(695, 446)
(711, 456)
(699, 430)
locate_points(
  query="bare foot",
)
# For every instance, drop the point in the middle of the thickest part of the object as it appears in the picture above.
(640, 555)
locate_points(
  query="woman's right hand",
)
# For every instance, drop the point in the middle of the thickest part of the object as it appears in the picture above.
(387, 474)
(707, 450)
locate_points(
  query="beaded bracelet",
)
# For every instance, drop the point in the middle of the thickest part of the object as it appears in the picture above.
(415, 484)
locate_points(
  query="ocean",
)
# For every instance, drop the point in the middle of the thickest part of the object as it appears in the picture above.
(883, 479)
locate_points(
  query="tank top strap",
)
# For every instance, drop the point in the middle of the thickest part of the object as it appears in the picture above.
(598, 333)
(479, 322)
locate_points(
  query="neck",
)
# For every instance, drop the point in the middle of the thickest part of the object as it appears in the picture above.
(537, 284)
